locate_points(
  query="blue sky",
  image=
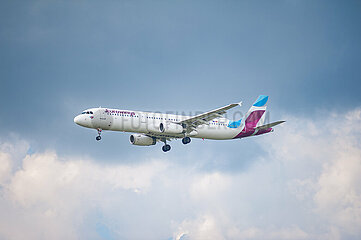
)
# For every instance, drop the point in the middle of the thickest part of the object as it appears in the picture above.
(60, 57)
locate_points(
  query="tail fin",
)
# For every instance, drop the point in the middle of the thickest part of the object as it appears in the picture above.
(256, 114)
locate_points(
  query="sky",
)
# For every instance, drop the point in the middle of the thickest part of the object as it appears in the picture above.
(61, 57)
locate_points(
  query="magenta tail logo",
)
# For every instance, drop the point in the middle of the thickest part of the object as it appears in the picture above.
(253, 119)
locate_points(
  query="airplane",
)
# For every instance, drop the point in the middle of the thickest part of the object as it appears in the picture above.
(148, 128)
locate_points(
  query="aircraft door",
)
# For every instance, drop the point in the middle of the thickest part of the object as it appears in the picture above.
(143, 118)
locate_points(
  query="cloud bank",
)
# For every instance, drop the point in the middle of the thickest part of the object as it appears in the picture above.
(306, 186)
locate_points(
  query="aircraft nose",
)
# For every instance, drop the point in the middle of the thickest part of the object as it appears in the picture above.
(77, 120)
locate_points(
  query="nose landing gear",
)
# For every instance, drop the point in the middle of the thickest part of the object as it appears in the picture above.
(99, 132)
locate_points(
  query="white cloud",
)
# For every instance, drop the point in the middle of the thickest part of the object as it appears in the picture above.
(325, 167)
(11, 155)
(289, 233)
(339, 194)
(305, 187)
(212, 227)
(49, 197)
(5, 167)
(205, 227)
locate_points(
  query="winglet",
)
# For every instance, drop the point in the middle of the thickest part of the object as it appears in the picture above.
(240, 103)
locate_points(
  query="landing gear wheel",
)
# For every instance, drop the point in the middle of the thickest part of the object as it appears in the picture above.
(166, 148)
(98, 138)
(186, 140)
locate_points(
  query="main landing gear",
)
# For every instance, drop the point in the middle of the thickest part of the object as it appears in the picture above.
(166, 146)
(99, 132)
(186, 140)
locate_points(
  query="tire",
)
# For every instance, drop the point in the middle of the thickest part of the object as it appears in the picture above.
(186, 140)
(166, 148)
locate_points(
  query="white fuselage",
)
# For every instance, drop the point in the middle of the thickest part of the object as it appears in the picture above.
(149, 122)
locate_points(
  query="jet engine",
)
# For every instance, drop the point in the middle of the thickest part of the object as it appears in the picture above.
(171, 128)
(142, 140)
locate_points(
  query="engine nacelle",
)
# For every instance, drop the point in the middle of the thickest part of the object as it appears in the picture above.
(171, 128)
(142, 140)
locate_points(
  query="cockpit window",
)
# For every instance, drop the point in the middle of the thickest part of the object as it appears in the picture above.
(83, 113)
(91, 112)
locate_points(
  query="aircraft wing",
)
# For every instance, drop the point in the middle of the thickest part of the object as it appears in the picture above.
(203, 118)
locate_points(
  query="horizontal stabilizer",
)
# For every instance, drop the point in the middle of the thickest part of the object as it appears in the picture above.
(269, 125)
